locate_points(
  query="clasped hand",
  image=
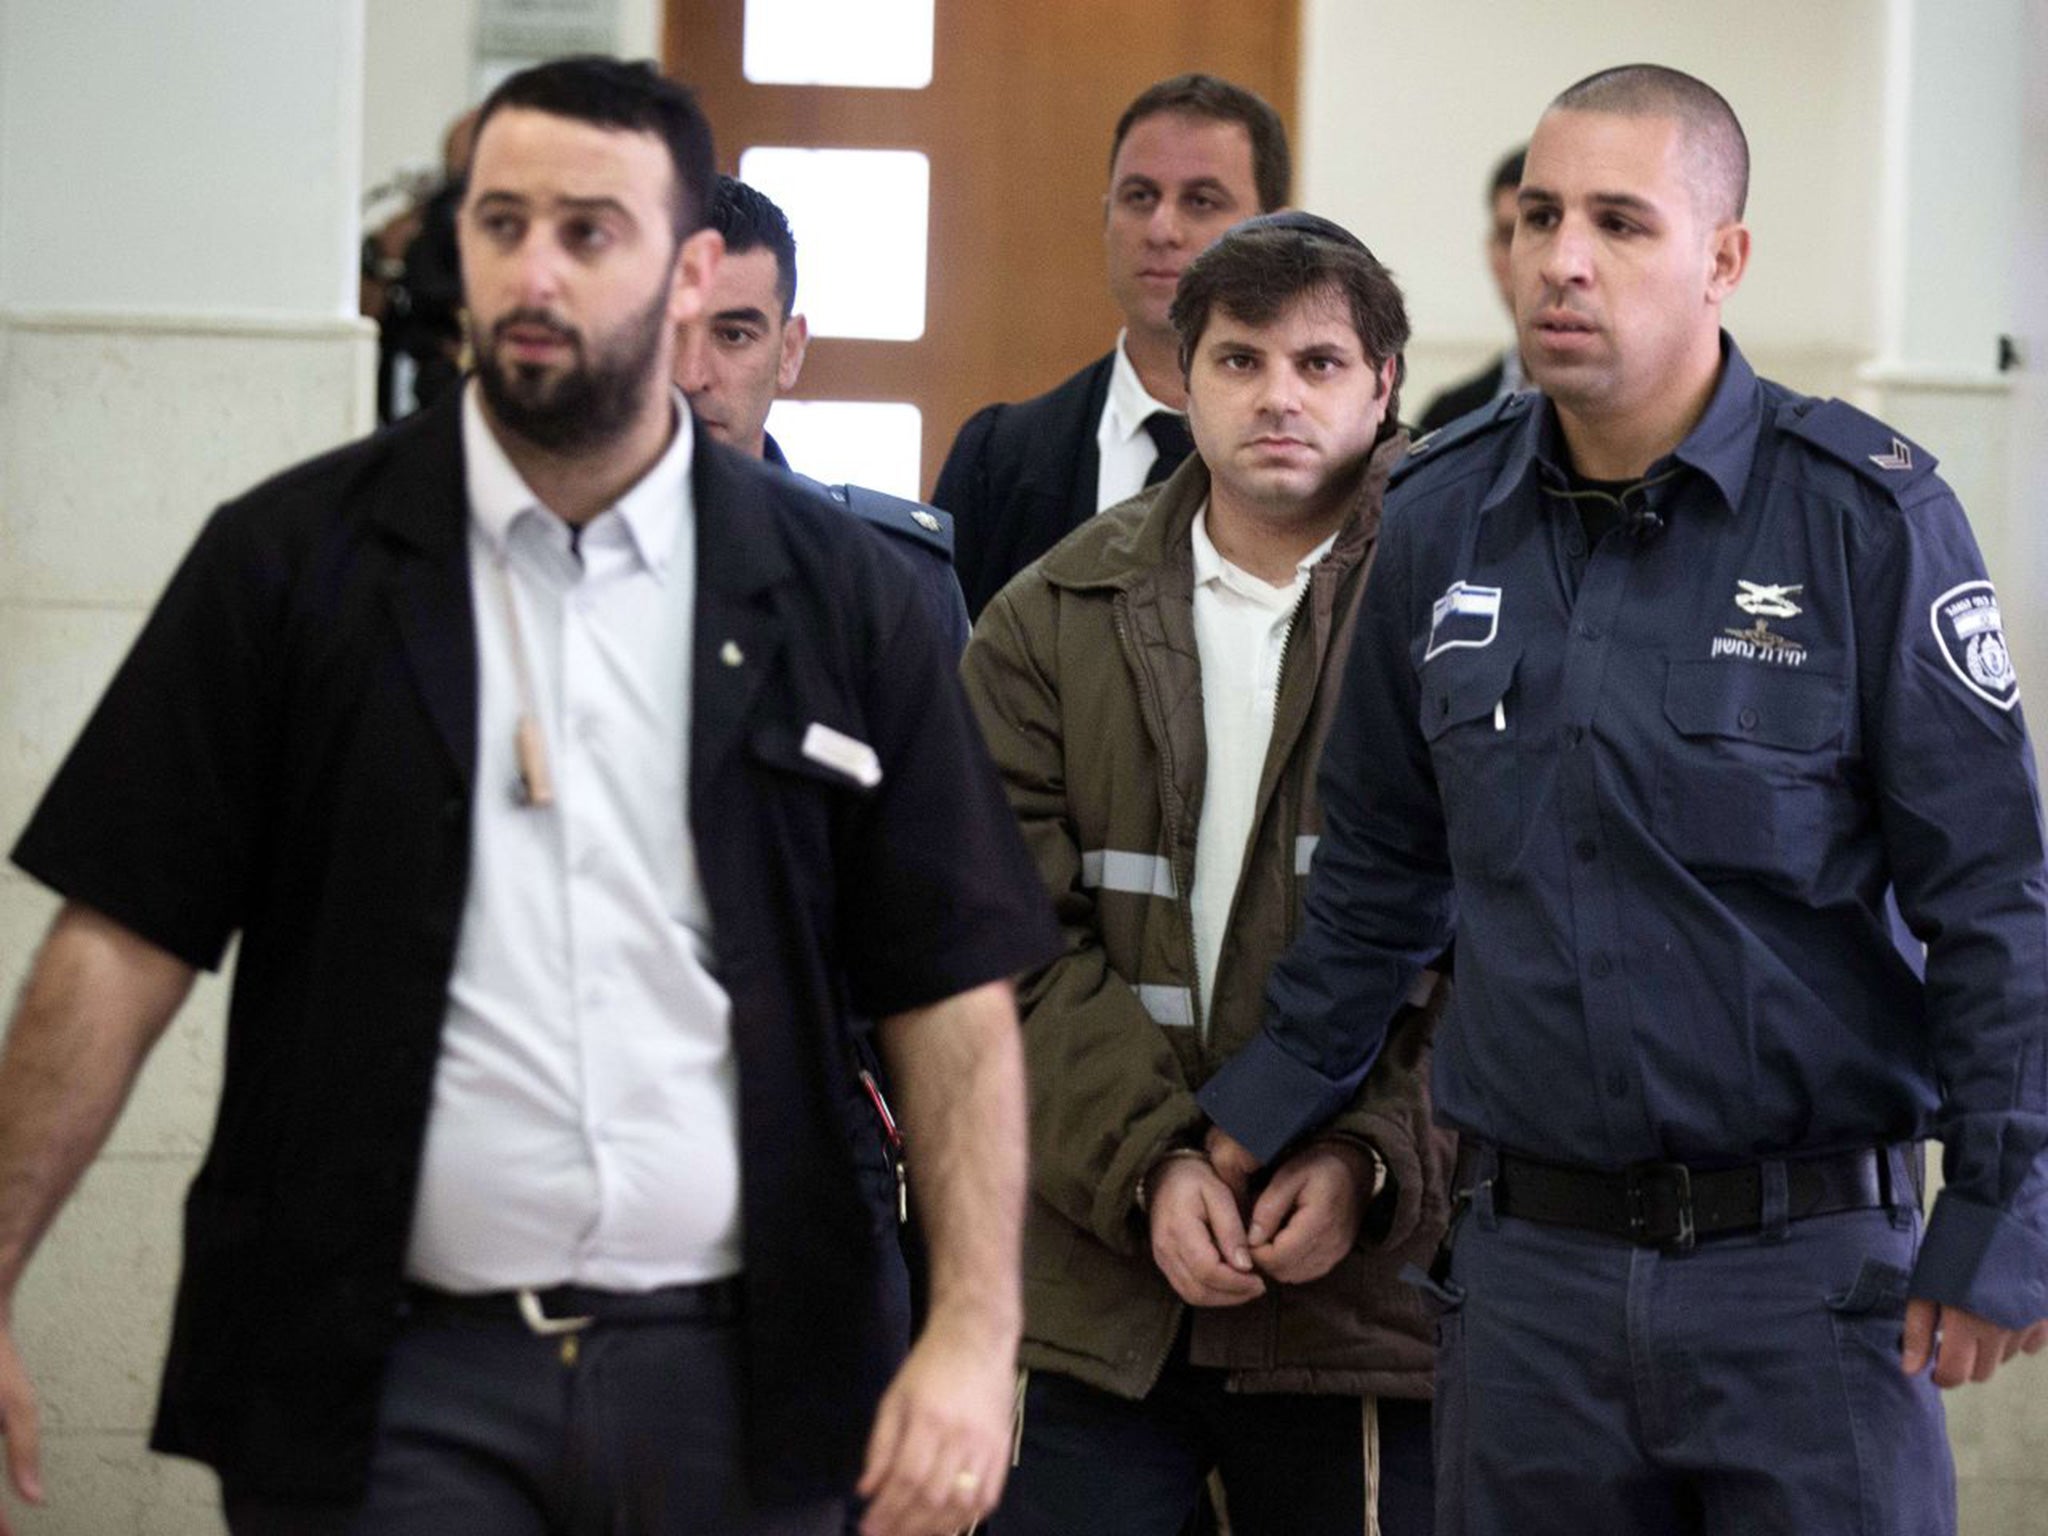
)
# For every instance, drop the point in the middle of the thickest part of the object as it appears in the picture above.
(1218, 1247)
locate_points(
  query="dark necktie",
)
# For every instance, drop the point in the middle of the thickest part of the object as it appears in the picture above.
(1169, 433)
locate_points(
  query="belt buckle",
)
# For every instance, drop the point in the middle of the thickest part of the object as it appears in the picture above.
(540, 1323)
(1641, 1178)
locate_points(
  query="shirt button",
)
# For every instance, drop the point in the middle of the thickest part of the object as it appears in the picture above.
(1575, 546)
(1589, 631)
(1573, 735)
(1617, 1084)
(1602, 967)
(1586, 849)
(1747, 719)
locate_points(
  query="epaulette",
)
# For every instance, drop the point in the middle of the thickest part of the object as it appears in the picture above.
(907, 519)
(1862, 442)
(1490, 418)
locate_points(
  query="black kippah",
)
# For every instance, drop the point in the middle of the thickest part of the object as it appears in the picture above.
(1303, 222)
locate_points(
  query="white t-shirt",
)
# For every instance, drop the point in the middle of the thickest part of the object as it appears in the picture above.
(1241, 626)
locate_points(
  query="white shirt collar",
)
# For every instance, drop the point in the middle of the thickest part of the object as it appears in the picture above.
(652, 509)
(1129, 401)
(1210, 566)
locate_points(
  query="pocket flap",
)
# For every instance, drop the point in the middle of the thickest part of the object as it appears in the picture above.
(816, 752)
(1461, 686)
(1774, 706)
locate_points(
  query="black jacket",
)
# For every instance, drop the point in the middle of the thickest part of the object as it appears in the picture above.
(1019, 478)
(305, 700)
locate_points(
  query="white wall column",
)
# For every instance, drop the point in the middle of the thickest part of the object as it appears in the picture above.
(178, 233)
(1950, 204)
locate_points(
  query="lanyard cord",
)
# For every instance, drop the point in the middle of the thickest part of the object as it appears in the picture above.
(529, 746)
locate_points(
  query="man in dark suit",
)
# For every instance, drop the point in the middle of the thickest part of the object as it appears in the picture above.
(1191, 156)
(572, 784)
(1504, 376)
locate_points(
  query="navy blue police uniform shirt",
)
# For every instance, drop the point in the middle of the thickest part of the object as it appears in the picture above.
(1675, 775)
(923, 534)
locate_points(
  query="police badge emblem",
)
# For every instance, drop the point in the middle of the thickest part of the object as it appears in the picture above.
(1972, 640)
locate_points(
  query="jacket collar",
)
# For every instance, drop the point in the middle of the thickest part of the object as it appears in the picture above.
(1721, 445)
(417, 497)
(421, 496)
(737, 630)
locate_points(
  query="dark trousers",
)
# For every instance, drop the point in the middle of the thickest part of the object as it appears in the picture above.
(1750, 1387)
(1291, 1464)
(488, 1430)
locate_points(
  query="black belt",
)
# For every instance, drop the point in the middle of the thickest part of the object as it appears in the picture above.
(571, 1308)
(1673, 1205)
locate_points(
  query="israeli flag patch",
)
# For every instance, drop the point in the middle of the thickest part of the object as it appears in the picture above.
(1464, 616)
(1972, 640)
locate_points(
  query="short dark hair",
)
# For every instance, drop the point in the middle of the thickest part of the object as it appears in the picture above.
(611, 93)
(1213, 97)
(1714, 140)
(1264, 264)
(750, 221)
(1508, 174)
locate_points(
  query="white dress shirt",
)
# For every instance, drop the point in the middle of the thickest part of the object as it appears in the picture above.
(1124, 448)
(584, 1126)
(1241, 626)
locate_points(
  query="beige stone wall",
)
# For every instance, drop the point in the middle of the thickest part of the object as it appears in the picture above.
(117, 435)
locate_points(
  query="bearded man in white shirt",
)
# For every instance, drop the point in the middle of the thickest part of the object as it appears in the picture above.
(572, 786)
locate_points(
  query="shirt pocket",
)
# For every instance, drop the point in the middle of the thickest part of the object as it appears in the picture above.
(817, 751)
(1472, 721)
(804, 808)
(1751, 782)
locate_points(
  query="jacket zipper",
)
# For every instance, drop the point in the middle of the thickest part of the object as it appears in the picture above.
(1183, 878)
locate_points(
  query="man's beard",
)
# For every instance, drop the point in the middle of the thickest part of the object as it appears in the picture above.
(590, 404)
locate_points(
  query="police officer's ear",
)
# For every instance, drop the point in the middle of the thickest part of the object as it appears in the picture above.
(1729, 253)
(796, 340)
(696, 264)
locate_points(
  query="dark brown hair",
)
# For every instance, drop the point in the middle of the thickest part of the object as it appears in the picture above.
(1213, 97)
(1265, 264)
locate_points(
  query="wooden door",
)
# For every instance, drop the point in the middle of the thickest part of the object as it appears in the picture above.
(1017, 123)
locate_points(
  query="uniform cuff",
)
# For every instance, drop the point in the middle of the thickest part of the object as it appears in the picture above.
(1265, 1099)
(1978, 1258)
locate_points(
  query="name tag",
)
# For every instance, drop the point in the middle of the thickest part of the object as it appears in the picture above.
(841, 753)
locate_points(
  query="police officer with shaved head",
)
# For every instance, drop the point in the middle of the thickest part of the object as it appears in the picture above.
(1667, 679)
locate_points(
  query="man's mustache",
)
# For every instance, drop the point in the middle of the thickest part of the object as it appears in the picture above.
(536, 319)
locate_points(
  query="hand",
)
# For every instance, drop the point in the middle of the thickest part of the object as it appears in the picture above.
(1308, 1217)
(1972, 1347)
(19, 1425)
(941, 1442)
(1198, 1238)
(1233, 1164)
